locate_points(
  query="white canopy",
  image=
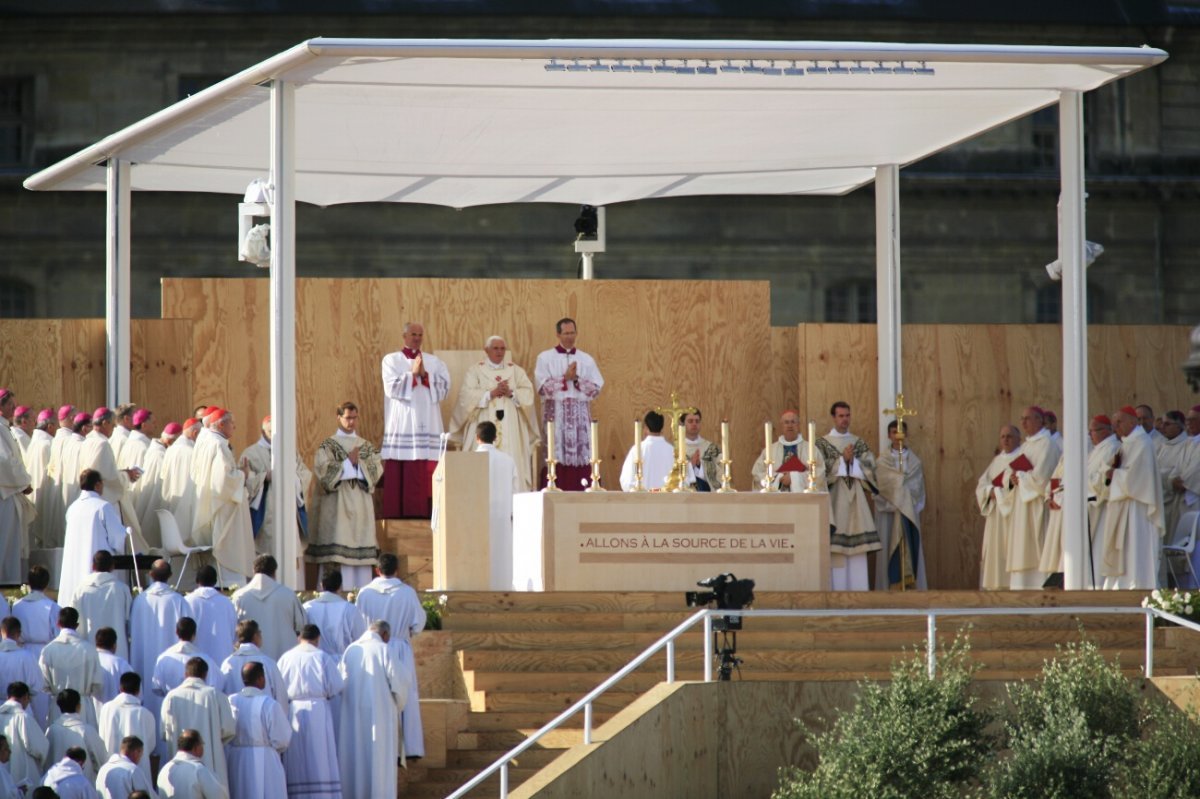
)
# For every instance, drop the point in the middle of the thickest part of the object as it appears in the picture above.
(463, 123)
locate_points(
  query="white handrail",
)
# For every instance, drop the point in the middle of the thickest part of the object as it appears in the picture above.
(706, 616)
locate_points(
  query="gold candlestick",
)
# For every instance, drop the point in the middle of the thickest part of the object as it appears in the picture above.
(594, 440)
(768, 482)
(551, 463)
(726, 477)
(639, 483)
(681, 463)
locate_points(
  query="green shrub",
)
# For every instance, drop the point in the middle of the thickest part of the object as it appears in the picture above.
(1165, 763)
(911, 738)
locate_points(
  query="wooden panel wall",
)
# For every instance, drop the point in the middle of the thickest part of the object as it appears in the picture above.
(52, 361)
(710, 341)
(965, 381)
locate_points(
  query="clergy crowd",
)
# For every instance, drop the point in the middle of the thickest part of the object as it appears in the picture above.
(1142, 475)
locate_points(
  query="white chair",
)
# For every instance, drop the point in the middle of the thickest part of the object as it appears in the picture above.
(173, 541)
(1183, 544)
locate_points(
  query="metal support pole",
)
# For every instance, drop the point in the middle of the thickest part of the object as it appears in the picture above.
(504, 781)
(708, 634)
(887, 291)
(116, 313)
(670, 661)
(931, 645)
(587, 723)
(1076, 574)
(1149, 644)
(283, 329)
(587, 271)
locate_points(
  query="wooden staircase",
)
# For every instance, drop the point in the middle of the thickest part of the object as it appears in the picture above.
(522, 658)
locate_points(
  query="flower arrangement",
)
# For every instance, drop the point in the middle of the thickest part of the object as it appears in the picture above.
(1184, 604)
(435, 609)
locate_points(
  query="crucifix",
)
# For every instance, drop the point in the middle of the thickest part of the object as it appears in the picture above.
(900, 412)
(678, 480)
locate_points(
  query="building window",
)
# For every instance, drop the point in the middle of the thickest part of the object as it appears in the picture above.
(851, 301)
(16, 121)
(193, 84)
(16, 299)
(1044, 140)
(1048, 307)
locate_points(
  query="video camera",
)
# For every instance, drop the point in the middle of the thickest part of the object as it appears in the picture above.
(728, 592)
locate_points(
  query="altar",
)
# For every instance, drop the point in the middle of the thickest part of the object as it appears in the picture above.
(574, 541)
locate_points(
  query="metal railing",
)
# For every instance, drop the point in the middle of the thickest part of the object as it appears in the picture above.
(706, 617)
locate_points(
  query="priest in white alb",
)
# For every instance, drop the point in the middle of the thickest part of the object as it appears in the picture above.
(170, 669)
(1178, 461)
(81, 426)
(51, 507)
(1031, 474)
(215, 616)
(497, 390)
(502, 484)
(568, 381)
(186, 776)
(222, 516)
(273, 605)
(96, 453)
(196, 705)
(178, 490)
(103, 600)
(850, 474)
(313, 680)
(16, 510)
(340, 622)
(122, 426)
(414, 385)
(152, 624)
(93, 524)
(369, 740)
(262, 732)
(900, 563)
(1133, 524)
(1105, 446)
(71, 662)
(37, 463)
(657, 454)
(347, 469)
(996, 496)
(125, 715)
(148, 491)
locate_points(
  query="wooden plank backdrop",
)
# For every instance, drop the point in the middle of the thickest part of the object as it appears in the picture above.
(52, 361)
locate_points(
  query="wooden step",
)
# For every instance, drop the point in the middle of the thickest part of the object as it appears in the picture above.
(552, 702)
(527, 720)
(559, 739)
(480, 759)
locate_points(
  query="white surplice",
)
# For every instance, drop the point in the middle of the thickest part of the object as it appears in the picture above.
(124, 716)
(412, 420)
(568, 403)
(1029, 516)
(195, 705)
(27, 741)
(340, 622)
(503, 482)
(313, 682)
(216, 621)
(1133, 524)
(261, 733)
(658, 458)
(120, 777)
(71, 662)
(103, 600)
(394, 601)
(996, 505)
(368, 741)
(275, 607)
(93, 524)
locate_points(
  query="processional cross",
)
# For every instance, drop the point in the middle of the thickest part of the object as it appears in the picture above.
(677, 481)
(907, 577)
(900, 412)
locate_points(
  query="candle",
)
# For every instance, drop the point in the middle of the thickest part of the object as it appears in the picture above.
(725, 439)
(770, 439)
(680, 448)
(594, 439)
(812, 438)
(550, 440)
(637, 441)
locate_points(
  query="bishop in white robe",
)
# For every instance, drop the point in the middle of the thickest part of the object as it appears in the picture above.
(568, 381)
(313, 682)
(103, 600)
(789, 450)
(347, 468)
(21, 427)
(261, 734)
(1031, 474)
(900, 562)
(996, 496)
(72, 448)
(148, 491)
(658, 457)
(37, 463)
(132, 452)
(1105, 446)
(414, 385)
(122, 418)
(273, 605)
(222, 515)
(16, 510)
(1133, 525)
(499, 391)
(369, 740)
(394, 601)
(195, 705)
(178, 491)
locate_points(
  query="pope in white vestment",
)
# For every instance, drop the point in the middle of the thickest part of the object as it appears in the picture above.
(568, 381)
(71, 662)
(26, 740)
(93, 524)
(313, 681)
(369, 741)
(414, 385)
(122, 716)
(261, 733)
(222, 515)
(194, 705)
(497, 390)
(1133, 524)
(658, 458)
(390, 599)
(120, 777)
(103, 600)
